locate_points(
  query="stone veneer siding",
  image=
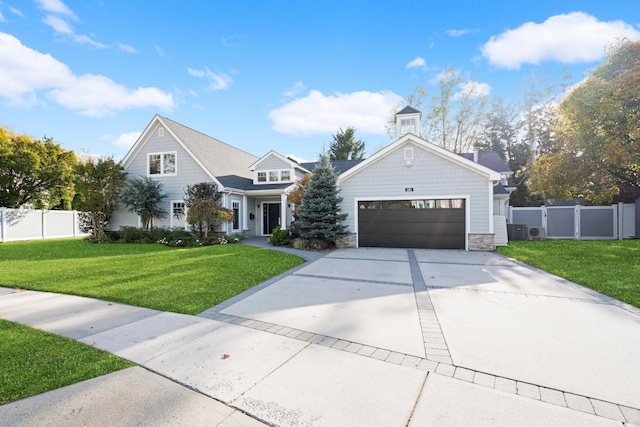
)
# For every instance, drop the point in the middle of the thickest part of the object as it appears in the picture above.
(481, 242)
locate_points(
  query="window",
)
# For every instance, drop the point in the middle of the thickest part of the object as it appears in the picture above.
(178, 210)
(407, 126)
(236, 215)
(285, 175)
(273, 176)
(162, 163)
(262, 177)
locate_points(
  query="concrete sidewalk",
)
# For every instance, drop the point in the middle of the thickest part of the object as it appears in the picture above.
(379, 337)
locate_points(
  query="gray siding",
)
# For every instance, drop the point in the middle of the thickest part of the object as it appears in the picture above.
(273, 163)
(188, 172)
(430, 176)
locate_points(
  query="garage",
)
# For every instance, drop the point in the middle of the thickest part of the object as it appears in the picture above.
(426, 223)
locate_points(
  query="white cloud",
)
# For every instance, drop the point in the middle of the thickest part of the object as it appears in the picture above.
(25, 72)
(317, 114)
(17, 12)
(217, 81)
(576, 37)
(127, 48)
(419, 62)
(159, 50)
(296, 90)
(459, 33)
(2, 18)
(58, 24)
(57, 7)
(126, 140)
(473, 89)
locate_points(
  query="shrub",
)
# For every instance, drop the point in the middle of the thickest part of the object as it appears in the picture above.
(301, 244)
(279, 237)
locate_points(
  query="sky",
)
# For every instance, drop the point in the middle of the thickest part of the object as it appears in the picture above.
(276, 75)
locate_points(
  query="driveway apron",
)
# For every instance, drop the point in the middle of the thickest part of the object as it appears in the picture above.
(370, 336)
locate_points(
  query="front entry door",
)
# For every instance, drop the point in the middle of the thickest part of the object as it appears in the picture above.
(270, 217)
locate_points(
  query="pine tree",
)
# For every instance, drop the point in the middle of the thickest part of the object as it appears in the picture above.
(320, 216)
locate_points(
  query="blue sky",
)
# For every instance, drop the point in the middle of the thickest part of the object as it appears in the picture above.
(281, 75)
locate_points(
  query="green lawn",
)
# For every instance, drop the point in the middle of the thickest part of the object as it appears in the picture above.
(187, 280)
(608, 266)
(33, 362)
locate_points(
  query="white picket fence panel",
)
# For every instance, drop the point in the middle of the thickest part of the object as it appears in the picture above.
(35, 224)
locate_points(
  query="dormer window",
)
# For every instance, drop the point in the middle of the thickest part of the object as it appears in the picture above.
(273, 176)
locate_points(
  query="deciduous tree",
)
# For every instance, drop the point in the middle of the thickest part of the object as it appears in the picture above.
(598, 144)
(98, 183)
(203, 207)
(33, 171)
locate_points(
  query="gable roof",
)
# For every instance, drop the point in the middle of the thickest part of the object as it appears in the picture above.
(292, 163)
(432, 148)
(215, 156)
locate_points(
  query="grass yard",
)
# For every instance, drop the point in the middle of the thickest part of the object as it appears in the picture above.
(186, 280)
(33, 362)
(611, 267)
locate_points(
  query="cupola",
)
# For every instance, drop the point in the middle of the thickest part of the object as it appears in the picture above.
(408, 121)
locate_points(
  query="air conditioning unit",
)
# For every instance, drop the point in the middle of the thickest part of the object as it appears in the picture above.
(536, 233)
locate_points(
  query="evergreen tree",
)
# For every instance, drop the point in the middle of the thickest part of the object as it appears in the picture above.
(345, 146)
(319, 216)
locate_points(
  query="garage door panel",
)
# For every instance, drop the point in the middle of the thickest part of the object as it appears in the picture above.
(412, 228)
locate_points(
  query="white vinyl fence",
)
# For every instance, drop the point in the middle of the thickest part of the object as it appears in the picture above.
(579, 222)
(33, 224)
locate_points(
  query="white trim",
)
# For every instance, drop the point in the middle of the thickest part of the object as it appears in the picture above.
(433, 149)
(292, 163)
(467, 210)
(171, 217)
(143, 139)
(162, 154)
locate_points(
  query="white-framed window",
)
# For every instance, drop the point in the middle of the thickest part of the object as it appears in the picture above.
(161, 163)
(236, 215)
(407, 126)
(178, 210)
(274, 175)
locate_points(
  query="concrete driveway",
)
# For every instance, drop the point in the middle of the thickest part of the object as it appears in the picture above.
(382, 337)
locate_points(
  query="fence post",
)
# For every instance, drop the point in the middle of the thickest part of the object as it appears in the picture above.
(543, 213)
(3, 224)
(620, 224)
(576, 222)
(44, 224)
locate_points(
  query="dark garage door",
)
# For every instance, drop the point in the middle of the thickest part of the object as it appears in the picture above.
(428, 224)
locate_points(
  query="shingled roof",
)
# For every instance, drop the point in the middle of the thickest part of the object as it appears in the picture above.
(218, 157)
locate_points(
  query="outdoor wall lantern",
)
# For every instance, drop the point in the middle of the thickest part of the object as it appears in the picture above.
(252, 216)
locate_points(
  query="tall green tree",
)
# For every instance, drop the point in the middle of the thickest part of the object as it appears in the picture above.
(203, 207)
(98, 183)
(34, 171)
(597, 152)
(319, 216)
(144, 196)
(345, 147)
